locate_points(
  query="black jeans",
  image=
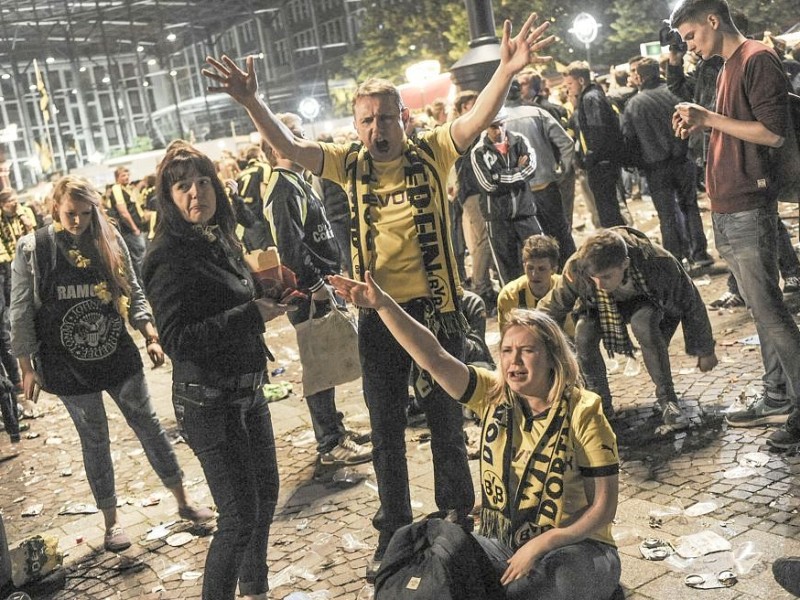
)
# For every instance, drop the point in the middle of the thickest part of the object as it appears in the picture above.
(506, 239)
(672, 187)
(552, 217)
(230, 432)
(602, 179)
(386, 366)
(652, 329)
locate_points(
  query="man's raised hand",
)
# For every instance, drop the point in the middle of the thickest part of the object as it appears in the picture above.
(240, 85)
(523, 49)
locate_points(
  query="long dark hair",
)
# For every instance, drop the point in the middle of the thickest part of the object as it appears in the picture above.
(180, 160)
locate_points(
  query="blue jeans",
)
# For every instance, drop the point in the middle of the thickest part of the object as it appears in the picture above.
(747, 241)
(230, 432)
(89, 415)
(385, 366)
(652, 329)
(137, 245)
(588, 570)
(8, 360)
(325, 419)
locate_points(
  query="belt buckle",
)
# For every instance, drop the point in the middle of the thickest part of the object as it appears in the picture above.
(258, 379)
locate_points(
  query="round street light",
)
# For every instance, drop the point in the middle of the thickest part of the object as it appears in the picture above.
(584, 27)
(309, 108)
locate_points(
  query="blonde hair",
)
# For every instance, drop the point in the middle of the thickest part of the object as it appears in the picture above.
(565, 374)
(375, 86)
(103, 235)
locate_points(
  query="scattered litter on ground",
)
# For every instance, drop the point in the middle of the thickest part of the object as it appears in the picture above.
(632, 367)
(277, 391)
(745, 557)
(750, 341)
(33, 510)
(658, 516)
(277, 371)
(152, 500)
(306, 568)
(159, 531)
(179, 539)
(283, 577)
(701, 508)
(191, 575)
(78, 508)
(172, 570)
(710, 581)
(351, 543)
(754, 459)
(702, 281)
(656, 549)
(318, 595)
(624, 535)
(305, 438)
(348, 475)
(700, 544)
(739, 472)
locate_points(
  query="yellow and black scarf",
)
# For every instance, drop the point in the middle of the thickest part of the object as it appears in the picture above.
(612, 325)
(429, 211)
(11, 229)
(537, 504)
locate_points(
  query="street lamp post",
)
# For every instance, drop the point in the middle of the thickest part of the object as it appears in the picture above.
(584, 27)
(309, 109)
(473, 70)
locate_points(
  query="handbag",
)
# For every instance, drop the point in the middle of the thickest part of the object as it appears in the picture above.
(328, 348)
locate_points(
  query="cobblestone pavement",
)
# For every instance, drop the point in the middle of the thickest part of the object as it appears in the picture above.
(320, 522)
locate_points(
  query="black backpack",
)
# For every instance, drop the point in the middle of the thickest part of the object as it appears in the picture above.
(786, 159)
(435, 559)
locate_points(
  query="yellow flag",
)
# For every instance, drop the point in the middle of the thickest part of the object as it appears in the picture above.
(44, 99)
(45, 155)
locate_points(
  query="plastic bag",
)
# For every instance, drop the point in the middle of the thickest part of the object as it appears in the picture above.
(34, 558)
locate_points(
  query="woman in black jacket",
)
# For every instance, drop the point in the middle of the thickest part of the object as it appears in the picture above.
(211, 326)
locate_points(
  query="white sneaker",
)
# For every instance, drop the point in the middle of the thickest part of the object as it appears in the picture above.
(346, 452)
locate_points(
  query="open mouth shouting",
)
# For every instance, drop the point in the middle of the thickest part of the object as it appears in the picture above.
(516, 375)
(382, 146)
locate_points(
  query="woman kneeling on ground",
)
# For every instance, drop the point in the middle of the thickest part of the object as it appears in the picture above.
(549, 463)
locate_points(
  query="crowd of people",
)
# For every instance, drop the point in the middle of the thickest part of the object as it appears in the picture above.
(386, 216)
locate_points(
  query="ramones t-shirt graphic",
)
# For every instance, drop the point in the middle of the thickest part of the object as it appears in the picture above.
(84, 346)
(90, 333)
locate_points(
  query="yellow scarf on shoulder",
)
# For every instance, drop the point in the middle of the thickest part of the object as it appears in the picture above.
(429, 212)
(515, 516)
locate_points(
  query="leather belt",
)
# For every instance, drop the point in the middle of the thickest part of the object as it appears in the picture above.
(248, 381)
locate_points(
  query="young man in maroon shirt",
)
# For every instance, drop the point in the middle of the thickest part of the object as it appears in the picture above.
(751, 117)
